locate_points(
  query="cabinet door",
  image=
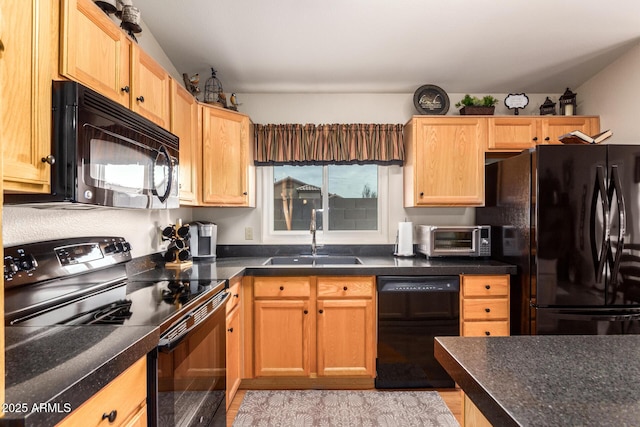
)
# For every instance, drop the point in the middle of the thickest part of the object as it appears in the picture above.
(26, 71)
(553, 127)
(512, 133)
(94, 51)
(449, 161)
(282, 333)
(184, 124)
(150, 88)
(226, 151)
(345, 338)
(233, 353)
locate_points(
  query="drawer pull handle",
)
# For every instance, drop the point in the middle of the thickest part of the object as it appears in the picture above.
(111, 416)
(282, 288)
(488, 310)
(487, 333)
(345, 288)
(321, 311)
(487, 286)
(230, 329)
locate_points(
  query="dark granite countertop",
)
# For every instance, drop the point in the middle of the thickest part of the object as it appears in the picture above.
(60, 367)
(228, 267)
(548, 380)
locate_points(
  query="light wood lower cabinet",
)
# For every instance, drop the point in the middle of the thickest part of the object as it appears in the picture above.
(484, 305)
(472, 415)
(234, 339)
(124, 399)
(314, 326)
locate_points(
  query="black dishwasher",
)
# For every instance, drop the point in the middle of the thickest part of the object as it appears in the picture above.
(412, 310)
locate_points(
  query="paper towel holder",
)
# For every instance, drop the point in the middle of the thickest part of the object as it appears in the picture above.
(404, 241)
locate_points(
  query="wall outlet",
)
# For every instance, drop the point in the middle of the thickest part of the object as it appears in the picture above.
(248, 233)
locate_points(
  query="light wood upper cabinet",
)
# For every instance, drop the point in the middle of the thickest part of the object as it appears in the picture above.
(444, 164)
(94, 51)
(514, 134)
(26, 70)
(184, 124)
(150, 87)
(227, 173)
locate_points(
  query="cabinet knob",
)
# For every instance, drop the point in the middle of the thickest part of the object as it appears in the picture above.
(488, 310)
(49, 159)
(1, 46)
(111, 416)
(236, 295)
(125, 89)
(245, 193)
(230, 329)
(140, 98)
(306, 312)
(320, 311)
(282, 288)
(421, 194)
(345, 288)
(535, 138)
(547, 139)
(487, 286)
(487, 333)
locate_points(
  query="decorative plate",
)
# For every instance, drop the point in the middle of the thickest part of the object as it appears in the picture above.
(431, 99)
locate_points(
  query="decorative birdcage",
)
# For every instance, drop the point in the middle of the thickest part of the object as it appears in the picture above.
(212, 89)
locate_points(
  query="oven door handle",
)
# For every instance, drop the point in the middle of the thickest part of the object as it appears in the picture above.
(175, 334)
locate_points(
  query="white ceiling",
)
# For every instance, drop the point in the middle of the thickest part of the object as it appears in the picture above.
(393, 46)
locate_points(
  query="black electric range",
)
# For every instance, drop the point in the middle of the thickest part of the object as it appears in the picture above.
(83, 281)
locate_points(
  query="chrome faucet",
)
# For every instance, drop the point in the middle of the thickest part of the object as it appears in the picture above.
(312, 230)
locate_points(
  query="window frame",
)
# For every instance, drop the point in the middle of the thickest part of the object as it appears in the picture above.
(271, 236)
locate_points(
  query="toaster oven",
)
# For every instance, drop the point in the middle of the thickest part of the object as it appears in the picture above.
(454, 241)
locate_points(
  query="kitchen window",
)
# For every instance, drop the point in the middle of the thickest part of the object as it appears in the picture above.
(347, 198)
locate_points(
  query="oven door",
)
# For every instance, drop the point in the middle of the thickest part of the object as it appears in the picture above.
(121, 167)
(192, 368)
(454, 241)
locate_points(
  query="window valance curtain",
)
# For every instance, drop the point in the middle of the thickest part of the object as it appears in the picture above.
(328, 144)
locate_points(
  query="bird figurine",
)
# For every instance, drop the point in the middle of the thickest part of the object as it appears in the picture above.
(222, 99)
(191, 83)
(234, 102)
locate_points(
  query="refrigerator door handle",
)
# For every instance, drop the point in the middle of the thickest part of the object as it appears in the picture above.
(599, 261)
(622, 217)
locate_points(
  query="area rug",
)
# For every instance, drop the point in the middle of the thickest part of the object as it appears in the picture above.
(343, 408)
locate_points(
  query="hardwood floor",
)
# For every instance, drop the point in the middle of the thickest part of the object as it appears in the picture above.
(453, 399)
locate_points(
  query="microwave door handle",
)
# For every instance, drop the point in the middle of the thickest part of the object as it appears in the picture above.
(163, 197)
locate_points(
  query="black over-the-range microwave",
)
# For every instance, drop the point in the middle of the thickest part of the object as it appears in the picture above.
(106, 155)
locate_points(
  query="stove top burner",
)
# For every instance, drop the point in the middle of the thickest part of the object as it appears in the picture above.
(114, 313)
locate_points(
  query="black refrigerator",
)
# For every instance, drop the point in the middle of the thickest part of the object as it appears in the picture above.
(569, 217)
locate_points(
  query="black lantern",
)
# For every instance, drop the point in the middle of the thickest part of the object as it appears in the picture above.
(548, 107)
(212, 89)
(567, 103)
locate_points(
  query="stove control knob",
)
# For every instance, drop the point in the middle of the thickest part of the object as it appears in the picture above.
(127, 246)
(27, 262)
(10, 268)
(119, 247)
(110, 248)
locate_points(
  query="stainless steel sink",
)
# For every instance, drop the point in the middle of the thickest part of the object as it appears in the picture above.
(314, 260)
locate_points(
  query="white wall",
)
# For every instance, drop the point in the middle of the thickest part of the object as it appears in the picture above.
(612, 94)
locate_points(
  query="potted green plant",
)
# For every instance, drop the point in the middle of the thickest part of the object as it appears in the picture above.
(474, 105)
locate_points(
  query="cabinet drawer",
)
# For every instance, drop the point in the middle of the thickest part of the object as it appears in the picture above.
(334, 287)
(485, 329)
(234, 291)
(113, 398)
(485, 309)
(281, 287)
(483, 286)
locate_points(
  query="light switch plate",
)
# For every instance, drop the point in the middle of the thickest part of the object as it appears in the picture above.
(248, 233)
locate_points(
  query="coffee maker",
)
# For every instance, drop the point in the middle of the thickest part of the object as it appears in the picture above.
(203, 239)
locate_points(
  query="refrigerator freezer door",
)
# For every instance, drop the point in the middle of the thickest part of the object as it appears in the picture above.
(570, 221)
